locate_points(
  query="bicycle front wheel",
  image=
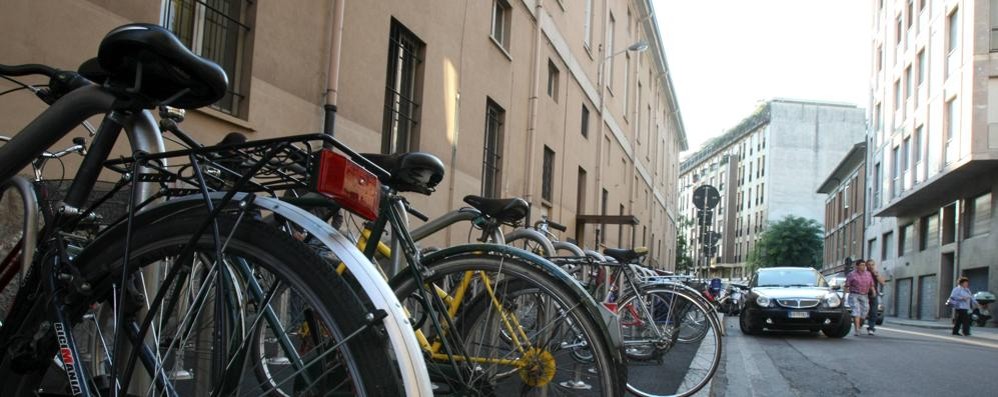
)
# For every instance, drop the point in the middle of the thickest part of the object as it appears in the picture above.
(201, 333)
(517, 330)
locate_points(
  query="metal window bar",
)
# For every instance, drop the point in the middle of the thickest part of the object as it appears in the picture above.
(492, 157)
(212, 29)
(401, 105)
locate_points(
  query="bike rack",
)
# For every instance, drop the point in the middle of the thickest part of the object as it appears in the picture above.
(30, 237)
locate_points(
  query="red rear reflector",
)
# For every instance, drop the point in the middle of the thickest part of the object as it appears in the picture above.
(355, 188)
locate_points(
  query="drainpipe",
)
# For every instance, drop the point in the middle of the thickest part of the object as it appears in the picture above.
(601, 80)
(528, 180)
(332, 83)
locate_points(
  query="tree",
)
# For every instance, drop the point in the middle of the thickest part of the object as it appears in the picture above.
(683, 261)
(793, 241)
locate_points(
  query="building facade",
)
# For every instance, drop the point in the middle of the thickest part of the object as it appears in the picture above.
(767, 167)
(845, 210)
(933, 157)
(555, 101)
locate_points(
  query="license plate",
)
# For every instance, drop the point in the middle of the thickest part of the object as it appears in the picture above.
(800, 314)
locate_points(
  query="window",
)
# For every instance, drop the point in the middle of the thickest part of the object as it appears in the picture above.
(949, 146)
(214, 29)
(877, 185)
(896, 172)
(584, 126)
(880, 58)
(402, 86)
(907, 82)
(910, 12)
(604, 197)
(979, 215)
(553, 78)
(609, 50)
(916, 147)
(897, 95)
(580, 195)
(620, 228)
(877, 117)
(953, 39)
(587, 24)
(906, 240)
(928, 232)
(501, 16)
(887, 249)
(922, 66)
(762, 193)
(547, 178)
(492, 158)
(905, 150)
(898, 33)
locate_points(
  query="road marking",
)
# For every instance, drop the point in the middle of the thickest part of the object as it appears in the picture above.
(965, 340)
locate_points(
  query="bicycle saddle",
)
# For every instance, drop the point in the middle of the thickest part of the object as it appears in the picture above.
(625, 255)
(411, 172)
(508, 210)
(150, 61)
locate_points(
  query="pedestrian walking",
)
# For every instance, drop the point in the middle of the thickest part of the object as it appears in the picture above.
(859, 284)
(960, 300)
(874, 296)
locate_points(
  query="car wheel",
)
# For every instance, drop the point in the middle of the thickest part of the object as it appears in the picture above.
(840, 331)
(746, 325)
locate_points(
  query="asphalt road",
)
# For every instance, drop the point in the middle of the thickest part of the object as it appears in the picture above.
(898, 361)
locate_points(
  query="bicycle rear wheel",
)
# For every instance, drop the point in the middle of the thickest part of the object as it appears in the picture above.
(522, 331)
(199, 339)
(659, 362)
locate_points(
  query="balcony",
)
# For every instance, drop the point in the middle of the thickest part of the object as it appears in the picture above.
(943, 188)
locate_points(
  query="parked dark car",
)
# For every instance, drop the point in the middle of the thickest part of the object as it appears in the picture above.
(793, 298)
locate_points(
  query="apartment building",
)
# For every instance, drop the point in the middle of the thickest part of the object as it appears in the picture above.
(845, 210)
(767, 167)
(933, 150)
(568, 104)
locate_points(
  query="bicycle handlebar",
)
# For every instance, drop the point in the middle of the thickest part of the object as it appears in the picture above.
(27, 70)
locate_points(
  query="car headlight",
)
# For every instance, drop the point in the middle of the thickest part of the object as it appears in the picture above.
(833, 300)
(762, 301)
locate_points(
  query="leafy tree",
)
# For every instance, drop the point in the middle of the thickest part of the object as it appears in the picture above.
(793, 241)
(684, 262)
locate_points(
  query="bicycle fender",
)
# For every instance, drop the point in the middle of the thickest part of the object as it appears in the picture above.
(609, 327)
(531, 234)
(567, 246)
(410, 357)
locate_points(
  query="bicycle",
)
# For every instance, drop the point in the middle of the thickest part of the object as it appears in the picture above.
(492, 319)
(160, 277)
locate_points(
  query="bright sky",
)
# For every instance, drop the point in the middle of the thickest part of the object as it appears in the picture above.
(728, 55)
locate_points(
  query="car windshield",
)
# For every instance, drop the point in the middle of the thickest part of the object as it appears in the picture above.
(790, 278)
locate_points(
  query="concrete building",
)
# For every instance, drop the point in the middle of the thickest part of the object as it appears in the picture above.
(550, 100)
(933, 151)
(767, 167)
(845, 210)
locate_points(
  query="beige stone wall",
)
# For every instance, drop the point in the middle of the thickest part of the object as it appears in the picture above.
(285, 70)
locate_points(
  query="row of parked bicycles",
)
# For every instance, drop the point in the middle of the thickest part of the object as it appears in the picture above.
(287, 266)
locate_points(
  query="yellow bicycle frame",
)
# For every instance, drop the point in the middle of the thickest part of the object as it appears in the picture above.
(509, 321)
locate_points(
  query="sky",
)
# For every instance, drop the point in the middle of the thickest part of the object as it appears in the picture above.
(727, 56)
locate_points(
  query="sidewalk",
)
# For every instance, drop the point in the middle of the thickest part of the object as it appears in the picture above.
(941, 324)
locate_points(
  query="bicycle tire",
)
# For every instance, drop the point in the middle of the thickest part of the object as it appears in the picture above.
(703, 363)
(514, 270)
(336, 309)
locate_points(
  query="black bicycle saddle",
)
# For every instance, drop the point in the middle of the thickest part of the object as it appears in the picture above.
(411, 172)
(508, 210)
(149, 61)
(625, 255)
